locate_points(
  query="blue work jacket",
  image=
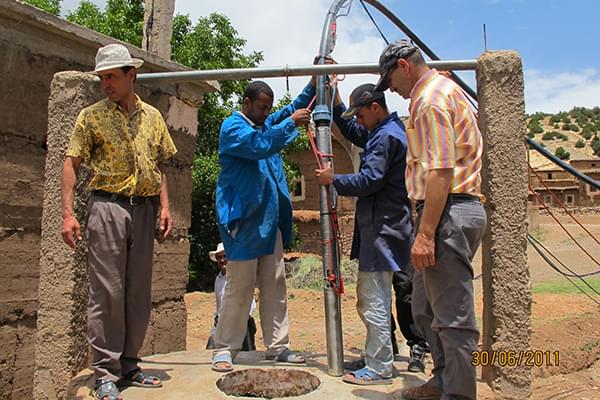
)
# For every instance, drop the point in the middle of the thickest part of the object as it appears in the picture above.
(252, 197)
(383, 224)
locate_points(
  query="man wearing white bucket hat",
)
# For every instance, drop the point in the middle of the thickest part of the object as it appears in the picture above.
(125, 142)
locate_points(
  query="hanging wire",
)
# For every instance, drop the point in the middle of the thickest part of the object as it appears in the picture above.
(374, 23)
(559, 201)
(529, 237)
(551, 264)
(572, 274)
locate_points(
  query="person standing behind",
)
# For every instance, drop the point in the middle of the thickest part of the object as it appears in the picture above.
(125, 142)
(218, 256)
(383, 220)
(443, 177)
(254, 215)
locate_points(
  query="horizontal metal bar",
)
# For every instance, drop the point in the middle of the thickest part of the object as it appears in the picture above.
(287, 70)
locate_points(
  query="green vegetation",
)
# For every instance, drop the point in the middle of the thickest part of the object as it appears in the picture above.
(50, 6)
(562, 153)
(580, 144)
(307, 272)
(563, 286)
(551, 135)
(209, 43)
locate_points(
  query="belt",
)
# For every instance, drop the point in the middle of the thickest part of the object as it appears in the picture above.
(131, 200)
(453, 198)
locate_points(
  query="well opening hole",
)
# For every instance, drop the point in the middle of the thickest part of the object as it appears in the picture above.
(268, 383)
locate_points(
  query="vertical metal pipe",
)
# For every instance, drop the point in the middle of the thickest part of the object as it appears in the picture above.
(331, 266)
(333, 307)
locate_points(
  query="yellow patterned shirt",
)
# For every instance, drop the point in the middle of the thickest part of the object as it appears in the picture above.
(123, 151)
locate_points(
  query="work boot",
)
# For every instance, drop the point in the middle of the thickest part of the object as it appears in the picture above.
(417, 358)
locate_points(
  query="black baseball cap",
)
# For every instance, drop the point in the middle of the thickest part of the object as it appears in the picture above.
(363, 95)
(388, 59)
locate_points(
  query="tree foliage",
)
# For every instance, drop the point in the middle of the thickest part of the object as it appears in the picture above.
(50, 6)
(122, 19)
(562, 153)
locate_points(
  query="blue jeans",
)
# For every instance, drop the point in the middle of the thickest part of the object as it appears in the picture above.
(374, 292)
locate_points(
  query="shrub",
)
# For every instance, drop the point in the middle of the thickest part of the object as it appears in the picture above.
(562, 153)
(596, 146)
(580, 143)
(554, 119)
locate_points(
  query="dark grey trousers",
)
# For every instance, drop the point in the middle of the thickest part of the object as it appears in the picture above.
(442, 300)
(120, 249)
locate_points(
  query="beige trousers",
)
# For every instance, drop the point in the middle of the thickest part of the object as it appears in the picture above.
(268, 273)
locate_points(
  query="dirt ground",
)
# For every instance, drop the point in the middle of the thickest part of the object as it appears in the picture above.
(565, 323)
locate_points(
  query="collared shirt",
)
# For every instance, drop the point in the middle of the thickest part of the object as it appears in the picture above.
(252, 197)
(123, 150)
(442, 132)
(383, 225)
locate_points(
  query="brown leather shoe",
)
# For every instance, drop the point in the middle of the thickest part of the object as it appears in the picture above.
(423, 392)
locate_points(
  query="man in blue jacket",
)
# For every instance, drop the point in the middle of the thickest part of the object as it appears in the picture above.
(254, 214)
(383, 220)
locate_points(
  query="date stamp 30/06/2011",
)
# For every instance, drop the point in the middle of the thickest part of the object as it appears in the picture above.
(525, 358)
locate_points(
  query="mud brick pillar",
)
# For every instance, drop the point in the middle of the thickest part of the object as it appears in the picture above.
(506, 279)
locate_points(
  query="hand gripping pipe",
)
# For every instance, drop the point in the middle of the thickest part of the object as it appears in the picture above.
(331, 261)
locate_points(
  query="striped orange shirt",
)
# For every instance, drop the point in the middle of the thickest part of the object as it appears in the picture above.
(442, 132)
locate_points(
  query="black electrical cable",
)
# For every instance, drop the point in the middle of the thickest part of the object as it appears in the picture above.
(553, 266)
(472, 94)
(566, 167)
(374, 23)
(572, 274)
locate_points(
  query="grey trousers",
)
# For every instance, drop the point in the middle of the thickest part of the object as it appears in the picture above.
(268, 273)
(120, 249)
(442, 300)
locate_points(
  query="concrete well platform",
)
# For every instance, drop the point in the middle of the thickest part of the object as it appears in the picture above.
(187, 375)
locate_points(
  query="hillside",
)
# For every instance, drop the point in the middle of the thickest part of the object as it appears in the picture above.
(572, 135)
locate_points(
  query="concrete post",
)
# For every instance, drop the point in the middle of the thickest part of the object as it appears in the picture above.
(158, 27)
(61, 341)
(506, 280)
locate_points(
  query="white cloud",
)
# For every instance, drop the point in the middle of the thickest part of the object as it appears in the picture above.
(561, 91)
(289, 32)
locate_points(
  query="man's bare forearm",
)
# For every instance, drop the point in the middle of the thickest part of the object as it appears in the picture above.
(436, 194)
(164, 189)
(69, 180)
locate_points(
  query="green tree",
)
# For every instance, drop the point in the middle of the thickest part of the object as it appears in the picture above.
(50, 6)
(580, 143)
(554, 119)
(562, 153)
(122, 19)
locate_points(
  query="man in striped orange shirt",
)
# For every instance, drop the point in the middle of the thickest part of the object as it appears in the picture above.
(443, 178)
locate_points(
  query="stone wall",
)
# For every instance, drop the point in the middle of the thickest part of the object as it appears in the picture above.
(33, 47)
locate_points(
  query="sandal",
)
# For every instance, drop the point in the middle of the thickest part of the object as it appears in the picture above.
(106, 390)
(423, 392)
(139, 379)
(288, 356)
(365, 377)
(222, 363)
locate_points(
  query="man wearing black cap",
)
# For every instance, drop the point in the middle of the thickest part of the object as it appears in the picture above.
(383, 219)
(443, 178)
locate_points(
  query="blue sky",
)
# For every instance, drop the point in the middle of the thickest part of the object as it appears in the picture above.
(557, 40)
